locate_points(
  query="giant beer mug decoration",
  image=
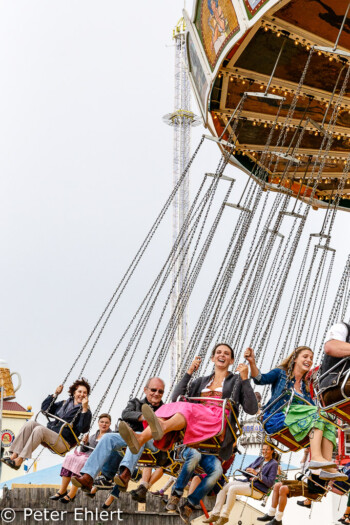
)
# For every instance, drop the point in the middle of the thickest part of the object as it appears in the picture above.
(6, 381)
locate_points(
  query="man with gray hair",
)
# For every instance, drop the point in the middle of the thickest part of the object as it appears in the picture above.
(112, 442)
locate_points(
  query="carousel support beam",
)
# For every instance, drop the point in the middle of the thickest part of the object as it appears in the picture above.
(320, 235)
(263, 95)
(334, 50)
(267, 94)
(237, 206)
(274, 232)
(223, 177)
(317, 126)
(220, 141)
(339, 52)
(284, 156)
(325, 248)
(292, 214)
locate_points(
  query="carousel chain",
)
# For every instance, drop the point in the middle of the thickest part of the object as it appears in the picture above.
(314, 296)
(185, 246)
(321, 307)
(167, 269)
(131, 269)
(295, 309)
(182, 296)
(189, 284)
(336, 307)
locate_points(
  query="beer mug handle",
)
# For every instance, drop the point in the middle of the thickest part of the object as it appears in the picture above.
(19, 380)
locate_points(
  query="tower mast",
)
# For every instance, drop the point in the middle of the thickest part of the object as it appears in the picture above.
(182, 119)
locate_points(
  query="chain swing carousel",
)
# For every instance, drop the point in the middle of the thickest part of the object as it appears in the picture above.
(271, 79)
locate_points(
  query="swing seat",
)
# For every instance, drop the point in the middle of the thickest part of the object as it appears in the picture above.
(253, 489)
(159, 459)
(285, 438)
(68, 447)
(340, 410)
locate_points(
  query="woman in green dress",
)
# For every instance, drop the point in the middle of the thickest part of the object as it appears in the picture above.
(302, 417)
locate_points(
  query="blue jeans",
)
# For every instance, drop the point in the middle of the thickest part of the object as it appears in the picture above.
(100, 457)
(111, 467)
(211, 466)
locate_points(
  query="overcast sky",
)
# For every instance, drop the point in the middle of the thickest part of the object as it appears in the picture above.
(86, 164)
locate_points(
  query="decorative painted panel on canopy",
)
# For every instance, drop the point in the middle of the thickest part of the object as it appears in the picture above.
(282, 70)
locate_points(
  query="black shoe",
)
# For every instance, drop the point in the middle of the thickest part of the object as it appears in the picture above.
(10, 463)
(343, 518)
(102, 483)
(302, 504)
(105, 507)
(66, 501)
(266, 517)
(58, 496)
(139, 494)
(275, 522)
(89, 495)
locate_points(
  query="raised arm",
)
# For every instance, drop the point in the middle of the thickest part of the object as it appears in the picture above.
(247, 397)
(258, 377)
(336, 345)
(337, 348)
(181, 387)
(250, 357)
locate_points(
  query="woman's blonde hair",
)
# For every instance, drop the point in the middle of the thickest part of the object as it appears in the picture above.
(288, 363)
